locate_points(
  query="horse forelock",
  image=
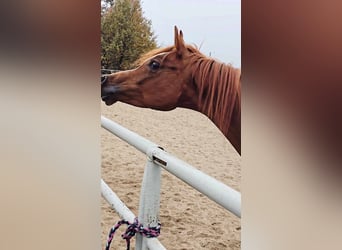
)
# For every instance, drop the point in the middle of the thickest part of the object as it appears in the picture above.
(165, 50)
(153, 53)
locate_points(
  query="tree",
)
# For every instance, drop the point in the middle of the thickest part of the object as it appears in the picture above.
(126, 34)
(105, 5)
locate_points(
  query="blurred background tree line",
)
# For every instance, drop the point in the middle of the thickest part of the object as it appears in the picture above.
(125, 33)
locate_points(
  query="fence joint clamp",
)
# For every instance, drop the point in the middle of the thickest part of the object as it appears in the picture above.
(151, 155)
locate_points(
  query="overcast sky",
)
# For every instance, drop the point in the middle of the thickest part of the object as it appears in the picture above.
(215, 25)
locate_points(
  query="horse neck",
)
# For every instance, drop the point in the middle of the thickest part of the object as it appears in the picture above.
(234, 131)
(218, 97)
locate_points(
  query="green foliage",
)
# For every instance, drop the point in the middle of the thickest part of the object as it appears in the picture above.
(126, 34)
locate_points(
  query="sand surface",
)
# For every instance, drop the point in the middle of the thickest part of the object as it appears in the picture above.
(189, 219)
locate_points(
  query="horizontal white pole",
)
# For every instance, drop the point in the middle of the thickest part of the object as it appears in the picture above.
(128, 136)
(215, 190)
(115, 202)
(207, 185)
(125, 213)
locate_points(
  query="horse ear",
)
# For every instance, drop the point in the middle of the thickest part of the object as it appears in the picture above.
(179, 42)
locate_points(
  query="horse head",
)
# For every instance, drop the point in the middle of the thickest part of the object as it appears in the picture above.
(159, 82)
(180, 76)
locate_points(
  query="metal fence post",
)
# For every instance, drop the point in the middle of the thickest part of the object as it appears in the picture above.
(149, 200)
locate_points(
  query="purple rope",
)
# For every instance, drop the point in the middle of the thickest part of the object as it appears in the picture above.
(131, 230)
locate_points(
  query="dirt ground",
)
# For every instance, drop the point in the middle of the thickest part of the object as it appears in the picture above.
(189, 219)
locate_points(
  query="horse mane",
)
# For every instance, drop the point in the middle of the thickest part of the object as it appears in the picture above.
(218, 85)
(219, 89)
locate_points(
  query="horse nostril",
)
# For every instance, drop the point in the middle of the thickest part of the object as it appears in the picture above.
(103, 79)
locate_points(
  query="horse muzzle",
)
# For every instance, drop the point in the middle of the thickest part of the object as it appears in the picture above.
(109, 93)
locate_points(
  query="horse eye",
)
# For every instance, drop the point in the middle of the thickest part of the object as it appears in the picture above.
(154, 65)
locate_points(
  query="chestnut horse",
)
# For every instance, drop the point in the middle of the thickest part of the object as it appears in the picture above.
(181, 76)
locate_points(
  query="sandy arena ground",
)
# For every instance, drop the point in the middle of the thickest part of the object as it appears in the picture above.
(189, 219)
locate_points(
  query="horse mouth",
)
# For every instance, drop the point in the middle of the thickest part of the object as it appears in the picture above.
(108, 100)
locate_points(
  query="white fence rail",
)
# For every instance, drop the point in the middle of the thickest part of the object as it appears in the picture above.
(222, 194)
